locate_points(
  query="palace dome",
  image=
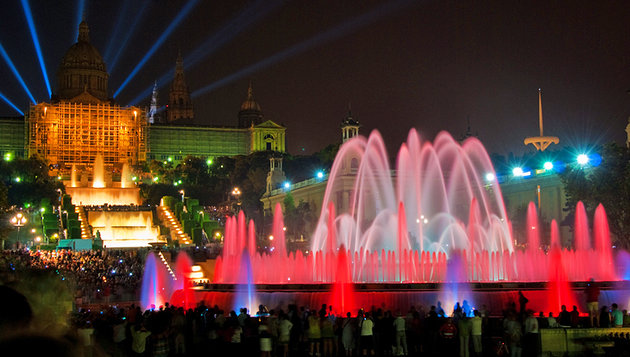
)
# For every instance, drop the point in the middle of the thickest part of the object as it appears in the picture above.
(250, 103)
(82, 69)
(250, 113)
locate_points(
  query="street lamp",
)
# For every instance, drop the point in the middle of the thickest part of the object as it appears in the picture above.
(18, 220)
(182, 193)
(236, 192)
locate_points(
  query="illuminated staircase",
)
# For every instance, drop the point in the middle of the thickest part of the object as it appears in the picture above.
(197, 274)
(165, 262)
(169, 220)
(86, 232)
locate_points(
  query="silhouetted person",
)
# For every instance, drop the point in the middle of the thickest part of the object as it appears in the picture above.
(514, 334)
(15, 313)
(564, 318)
(616, 316)
(439, 310)
(522, 303)
(448, 337)
(476, 333)
(604, 317)
(530, 339)
(551, 321)
(575, 317)
(464, 329)
(542, 320)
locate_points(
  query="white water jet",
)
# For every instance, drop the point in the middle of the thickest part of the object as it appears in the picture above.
(98, 178)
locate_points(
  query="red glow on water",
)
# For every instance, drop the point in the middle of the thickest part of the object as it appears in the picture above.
(559, 289)
(183, 269)
(343, 299)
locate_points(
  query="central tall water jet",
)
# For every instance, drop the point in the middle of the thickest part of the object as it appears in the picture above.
(98, 173)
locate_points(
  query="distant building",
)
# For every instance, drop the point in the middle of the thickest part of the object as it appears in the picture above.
(81, 121)
(312, 191)
(545, 189)
(173, 141)
(12, 133)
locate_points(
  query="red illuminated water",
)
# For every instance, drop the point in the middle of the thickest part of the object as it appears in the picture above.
(434, 219)
(403, 225)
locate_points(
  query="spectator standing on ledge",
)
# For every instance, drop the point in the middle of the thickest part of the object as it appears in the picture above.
(401, 336)
(464, 327)
(530, 341)
(514, 335)
(592, 302)
(476, 332)
(366, 327)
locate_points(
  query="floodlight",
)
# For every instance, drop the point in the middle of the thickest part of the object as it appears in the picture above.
(582, 159)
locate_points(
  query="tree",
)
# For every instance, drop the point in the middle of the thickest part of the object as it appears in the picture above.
(153, 193)
(27, 181)
(298, 219)
(5, 228)
(609, 184)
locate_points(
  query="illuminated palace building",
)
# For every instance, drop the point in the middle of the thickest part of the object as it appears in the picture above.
(82, 122)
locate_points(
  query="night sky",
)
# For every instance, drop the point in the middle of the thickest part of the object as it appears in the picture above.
(425, 64)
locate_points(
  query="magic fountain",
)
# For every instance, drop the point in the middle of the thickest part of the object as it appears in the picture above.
(432, 229)
(126, 224)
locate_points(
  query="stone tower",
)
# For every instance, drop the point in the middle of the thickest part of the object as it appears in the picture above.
(250, 113)
(180, 107)
(349, 127)
(275, 176)
(152, 113)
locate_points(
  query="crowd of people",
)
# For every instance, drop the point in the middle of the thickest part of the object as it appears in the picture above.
(284, 331)
(97, 275)
(299, 331)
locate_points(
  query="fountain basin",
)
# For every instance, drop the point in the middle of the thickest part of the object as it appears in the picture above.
(496, 296)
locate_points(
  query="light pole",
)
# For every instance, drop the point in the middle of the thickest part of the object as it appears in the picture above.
(236, 192)
(18, 220)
